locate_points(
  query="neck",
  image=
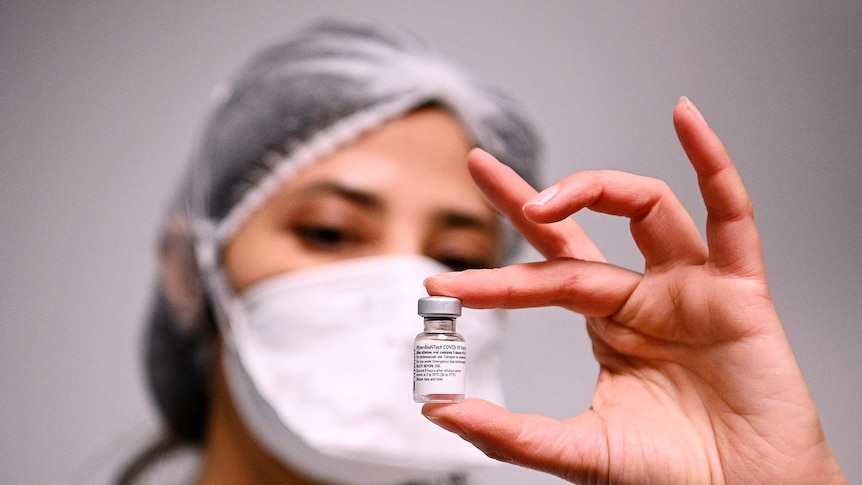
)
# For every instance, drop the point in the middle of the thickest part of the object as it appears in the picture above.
(230, 453)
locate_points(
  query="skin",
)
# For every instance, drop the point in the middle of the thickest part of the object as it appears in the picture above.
(404, 188)
(697, 381)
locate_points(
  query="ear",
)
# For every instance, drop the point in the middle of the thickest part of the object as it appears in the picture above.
(179, 274)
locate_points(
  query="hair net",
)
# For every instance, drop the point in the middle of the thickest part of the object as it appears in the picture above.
(291, 105)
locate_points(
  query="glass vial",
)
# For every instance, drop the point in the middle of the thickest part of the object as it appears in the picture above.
(439, 353)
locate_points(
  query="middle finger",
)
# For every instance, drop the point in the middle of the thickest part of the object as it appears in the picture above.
(508, 192)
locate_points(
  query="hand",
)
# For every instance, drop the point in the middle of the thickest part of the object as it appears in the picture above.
(697, 381)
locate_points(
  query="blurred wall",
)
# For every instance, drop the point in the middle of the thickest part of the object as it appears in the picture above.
(100, 102)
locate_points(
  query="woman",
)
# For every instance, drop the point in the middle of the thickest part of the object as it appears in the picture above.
(307, 221)
(329, 182)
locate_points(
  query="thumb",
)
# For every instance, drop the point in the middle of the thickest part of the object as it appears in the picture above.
(572, 449)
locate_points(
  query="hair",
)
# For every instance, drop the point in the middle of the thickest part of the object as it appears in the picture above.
(290, 105)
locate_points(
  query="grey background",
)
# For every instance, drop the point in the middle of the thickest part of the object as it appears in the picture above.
(100, 102)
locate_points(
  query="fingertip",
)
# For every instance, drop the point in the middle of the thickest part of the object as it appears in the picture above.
(686, 107)
(478, 158)
(544, 197)
(531, 211)
(443, 276)
(534, 208)
(436, 413)
(480, 163)
(435, 284)
(477, 153)
(432, 410)
(537, 213)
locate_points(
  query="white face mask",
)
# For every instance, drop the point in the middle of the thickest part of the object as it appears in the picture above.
(320, 366)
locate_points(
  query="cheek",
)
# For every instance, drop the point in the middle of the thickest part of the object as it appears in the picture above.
(239, 266)
(257, 252)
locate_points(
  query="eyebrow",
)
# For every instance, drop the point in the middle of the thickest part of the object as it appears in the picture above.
(445, 218)
(452, 218)
(356, 196)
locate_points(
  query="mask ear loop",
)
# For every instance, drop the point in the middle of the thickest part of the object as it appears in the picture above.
(227, 309)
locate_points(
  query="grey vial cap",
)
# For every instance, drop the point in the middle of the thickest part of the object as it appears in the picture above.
(439, 306)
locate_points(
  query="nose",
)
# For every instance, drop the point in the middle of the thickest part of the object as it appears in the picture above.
(404, 238)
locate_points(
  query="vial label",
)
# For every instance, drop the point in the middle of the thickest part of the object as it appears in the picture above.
(439, 367)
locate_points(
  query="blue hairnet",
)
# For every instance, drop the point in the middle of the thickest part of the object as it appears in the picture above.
(292, 104)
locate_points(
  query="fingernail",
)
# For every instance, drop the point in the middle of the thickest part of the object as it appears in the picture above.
(443, 276)
(691, 107)
(544, 196)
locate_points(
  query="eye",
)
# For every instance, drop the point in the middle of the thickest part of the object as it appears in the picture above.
(322, 237)
(464, 248)
(460, 263)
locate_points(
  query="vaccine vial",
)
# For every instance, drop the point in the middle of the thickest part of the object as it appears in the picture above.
(439, 353)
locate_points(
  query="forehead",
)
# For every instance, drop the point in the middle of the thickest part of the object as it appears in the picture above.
(418, 160)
